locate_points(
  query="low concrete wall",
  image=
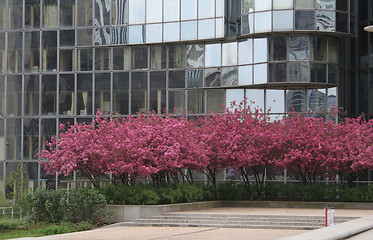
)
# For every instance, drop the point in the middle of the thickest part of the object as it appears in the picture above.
(128, 213)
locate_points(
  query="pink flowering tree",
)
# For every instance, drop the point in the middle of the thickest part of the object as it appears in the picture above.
(79, 149)
(306, 145)
(350, 148)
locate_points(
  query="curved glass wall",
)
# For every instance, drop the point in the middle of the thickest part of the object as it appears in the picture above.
(63, 60)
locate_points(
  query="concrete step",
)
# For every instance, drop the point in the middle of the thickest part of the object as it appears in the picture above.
(236, 221)
(290, 227)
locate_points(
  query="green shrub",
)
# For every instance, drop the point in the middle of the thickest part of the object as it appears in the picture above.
(83, 226)
(13, 224)
(232, 191)
(57, 205)
(55, 229)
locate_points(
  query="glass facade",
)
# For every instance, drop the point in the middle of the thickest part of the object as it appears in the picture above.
(60, 61)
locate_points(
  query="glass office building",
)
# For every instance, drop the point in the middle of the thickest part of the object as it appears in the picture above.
(61, 60)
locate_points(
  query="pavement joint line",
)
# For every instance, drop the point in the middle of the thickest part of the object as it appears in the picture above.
(184, 234)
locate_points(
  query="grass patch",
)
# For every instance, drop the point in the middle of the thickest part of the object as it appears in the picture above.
(17, 229)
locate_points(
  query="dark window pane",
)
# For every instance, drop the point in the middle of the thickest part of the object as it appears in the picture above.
(176, 79)
(304, 20)
(278, 48)
(277, 72)
(318, 72)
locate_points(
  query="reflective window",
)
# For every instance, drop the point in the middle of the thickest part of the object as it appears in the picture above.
(67, 38)
(219, 27)
(158, 92)
(245, 52)
(216, 101)
(171, 9)
(14, 52)
(15, 11)
(260, 50)
(332, 73)
(14, 95)
(325, 21)
(318, 72)
(66, 97)
(50, 13)
(32, 14)
(213, 77)
(260, 73)
(3, 60)
(234, 95)
(247, 24)
(188, 9)
(283, 20)
(84, 12)
(101, 36)
(206, 9)
(2, 101)
(153, 10)
(102, 58)
(298, 48)
(48, 94)
(195, 56)
(275, 101)
(278, 49)
(121, 92)
(67, 60)
(119, 13)
(261, 5)
(319, 49)
(282, 4)
(158, 56)
(137, 11)
(194, 78)
(154, 33)
(84, 37)
(298, 72)
(139, 55)
(102, 92)
(206, 29)
(213, 55)
(31, 48)
(171, 32)
(176, 101)
(3, 15)
(188, 30)
(229, 76)
(84, 59)
(196, 102)
(247, 6)
(84, 94)
(229, 55)
(255, 99)
(49, 45)
(176, 79)
(245, 75)
(304, 20)
(332, 98)
(325, 4)
(119, 35)
(121, 58)
(277, 72)
(219, 8)
(67, 13)
(296, 100)
(263, 22)
(332, 50)
(139, 93)
(102, 13)
(301, 4)
(136, 34)
(316, 100)
(13, 138)
(177, 58)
